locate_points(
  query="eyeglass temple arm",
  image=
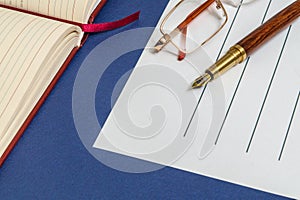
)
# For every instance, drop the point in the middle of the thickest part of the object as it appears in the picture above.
(165, 39)
(182, 54)
(194, 14)
(183, 26)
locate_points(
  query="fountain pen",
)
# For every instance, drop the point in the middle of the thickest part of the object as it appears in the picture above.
(241, 50)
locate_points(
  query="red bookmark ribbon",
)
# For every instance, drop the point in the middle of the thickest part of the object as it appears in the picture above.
(96, 28)
(88, 28)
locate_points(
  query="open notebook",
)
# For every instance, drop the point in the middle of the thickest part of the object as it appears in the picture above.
(38, 38)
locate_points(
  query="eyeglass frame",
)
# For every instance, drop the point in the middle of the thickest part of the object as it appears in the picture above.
(166, 38)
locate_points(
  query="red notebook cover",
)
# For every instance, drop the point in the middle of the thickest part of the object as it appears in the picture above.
(53, 82)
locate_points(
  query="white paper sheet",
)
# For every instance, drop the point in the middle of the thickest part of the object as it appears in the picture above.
(244, 129)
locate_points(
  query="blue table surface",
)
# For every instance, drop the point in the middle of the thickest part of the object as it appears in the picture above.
(50, 161)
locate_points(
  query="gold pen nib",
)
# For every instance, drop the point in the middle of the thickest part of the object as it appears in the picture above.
(201, 81)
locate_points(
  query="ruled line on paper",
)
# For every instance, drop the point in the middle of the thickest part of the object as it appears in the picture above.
(67, 8)
(73, 10)
(54, 7)
(48, 7)
(61, 5)
(238, 85)
(268, 8)
(268, 90)
(232, 99)
(219, 54)
(38, 5)
(229, 30)
(289, 127)
(195, 110)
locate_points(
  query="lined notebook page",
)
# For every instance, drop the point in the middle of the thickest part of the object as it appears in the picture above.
(255, 140)
(73, 10)
(32, 51)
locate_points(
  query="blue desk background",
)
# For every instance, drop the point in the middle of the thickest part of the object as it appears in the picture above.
(50, 162)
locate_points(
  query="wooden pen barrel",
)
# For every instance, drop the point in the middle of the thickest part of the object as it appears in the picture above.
(266, 31)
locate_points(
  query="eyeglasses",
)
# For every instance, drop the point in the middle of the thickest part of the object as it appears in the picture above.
(191, 24)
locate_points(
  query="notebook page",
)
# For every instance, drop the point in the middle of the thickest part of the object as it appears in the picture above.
(256, 144)
(27, 43)
(72, 10)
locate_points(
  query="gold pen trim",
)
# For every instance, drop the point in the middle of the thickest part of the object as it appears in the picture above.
(234, 56)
